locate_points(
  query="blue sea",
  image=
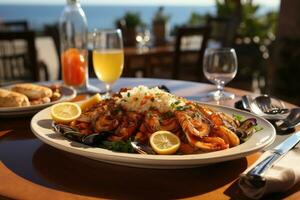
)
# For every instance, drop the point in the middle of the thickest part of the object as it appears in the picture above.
(98, 16)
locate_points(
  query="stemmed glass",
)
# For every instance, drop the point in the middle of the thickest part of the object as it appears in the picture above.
(108, 56)
(220, 67)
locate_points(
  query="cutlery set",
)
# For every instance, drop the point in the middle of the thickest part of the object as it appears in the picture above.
(273, 110)
(284, 121)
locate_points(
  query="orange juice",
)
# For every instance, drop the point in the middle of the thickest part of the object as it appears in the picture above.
(73, 67)
(108, 65)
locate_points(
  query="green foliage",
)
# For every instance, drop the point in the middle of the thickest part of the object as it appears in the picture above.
(225, 8)
(251, 23)
(196, 19)
(130, 20)
(160, 16)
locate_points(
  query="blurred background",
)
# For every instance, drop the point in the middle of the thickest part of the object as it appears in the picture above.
(160, 42)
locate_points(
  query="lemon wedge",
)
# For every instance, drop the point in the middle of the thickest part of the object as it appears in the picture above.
(90, 102)
(164, 142)
(65, 112)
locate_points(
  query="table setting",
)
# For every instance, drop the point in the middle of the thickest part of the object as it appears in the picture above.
(184, 88)
(157, 129)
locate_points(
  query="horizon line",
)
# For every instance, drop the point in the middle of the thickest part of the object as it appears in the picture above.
(272, 3)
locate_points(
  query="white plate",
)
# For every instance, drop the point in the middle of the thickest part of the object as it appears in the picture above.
(41, 127)
(67, 93)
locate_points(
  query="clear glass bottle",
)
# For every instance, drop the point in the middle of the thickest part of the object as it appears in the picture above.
(73, 32)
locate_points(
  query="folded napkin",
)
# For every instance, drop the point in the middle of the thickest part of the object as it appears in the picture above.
(284, 174)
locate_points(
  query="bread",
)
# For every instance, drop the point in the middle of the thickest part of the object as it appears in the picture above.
(12, 99)
(40, 101)
(32, 91)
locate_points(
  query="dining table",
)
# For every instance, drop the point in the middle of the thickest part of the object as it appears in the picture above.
(31, 169)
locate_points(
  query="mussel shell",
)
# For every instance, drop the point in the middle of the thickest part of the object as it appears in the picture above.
(164, 88)
(74, 134)
(95, 138)
(61, 128)
(246, 128)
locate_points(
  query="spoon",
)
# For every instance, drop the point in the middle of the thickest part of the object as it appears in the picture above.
(264, 102)
(292, 120)
(252, 105)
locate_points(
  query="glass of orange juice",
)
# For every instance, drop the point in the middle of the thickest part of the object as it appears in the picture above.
(108, 56)
(74, 68)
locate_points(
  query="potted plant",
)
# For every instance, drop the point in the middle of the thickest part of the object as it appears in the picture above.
(128, 24)
(159, 26)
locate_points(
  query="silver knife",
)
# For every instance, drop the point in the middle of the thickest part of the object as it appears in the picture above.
(257, 173)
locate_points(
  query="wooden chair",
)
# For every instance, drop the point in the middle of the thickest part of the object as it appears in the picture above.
(201, 31)
(52, 30)
(14, 26)
(18, 58)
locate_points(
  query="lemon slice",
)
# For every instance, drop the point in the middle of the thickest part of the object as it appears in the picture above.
(164, 142)
(90, 102)
(65, 112)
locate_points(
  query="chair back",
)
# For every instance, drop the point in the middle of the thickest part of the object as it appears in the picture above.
(18, 57)
(52, 30)
(14, 26)
(202, 32)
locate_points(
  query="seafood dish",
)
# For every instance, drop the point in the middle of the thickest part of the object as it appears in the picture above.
(126, 121)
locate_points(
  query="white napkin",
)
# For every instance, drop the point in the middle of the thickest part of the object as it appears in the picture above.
(284, 174)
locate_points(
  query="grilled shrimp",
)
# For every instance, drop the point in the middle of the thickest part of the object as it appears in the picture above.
(152, 122)
(229, 121)
(227, 135)
(211, 144)
(206, 143)
(106, 123)
(170, 124)
(211, 115)
(197, 132)
(219, 118)
(129, 125)
(197, 127)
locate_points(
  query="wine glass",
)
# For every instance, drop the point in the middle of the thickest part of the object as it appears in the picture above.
(108, 56)
(220, 67)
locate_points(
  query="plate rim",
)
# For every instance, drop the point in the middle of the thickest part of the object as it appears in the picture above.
(165, 160)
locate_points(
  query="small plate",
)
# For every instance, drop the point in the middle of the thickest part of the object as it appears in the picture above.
(41, 127)
(67, 94)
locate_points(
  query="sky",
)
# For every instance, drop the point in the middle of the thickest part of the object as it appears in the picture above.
(136, 2)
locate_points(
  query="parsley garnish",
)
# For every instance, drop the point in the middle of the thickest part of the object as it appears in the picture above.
(120, 146)
(177, 102)
(258, 128)
(238, 117)
(181, 108)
